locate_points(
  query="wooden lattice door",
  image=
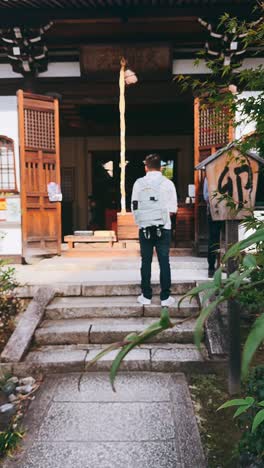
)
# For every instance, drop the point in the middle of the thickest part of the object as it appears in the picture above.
(211, 132)
(39, 165)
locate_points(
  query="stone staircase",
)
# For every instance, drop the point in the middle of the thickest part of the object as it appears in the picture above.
(75, 328)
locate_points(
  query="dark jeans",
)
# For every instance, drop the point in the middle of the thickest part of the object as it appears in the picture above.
(214, 228)
(162, 245)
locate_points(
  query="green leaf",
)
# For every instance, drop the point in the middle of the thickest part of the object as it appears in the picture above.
(198, 333)
(250, 261)
(256, 237)
(117, 361)
(259, 418)
(218, 278)
(241, 410)
(261, 403)
(165, 318)
(102, 353)
(138, 339)
(207, 297)
(237, 402)
(253, 341)
(195, 291)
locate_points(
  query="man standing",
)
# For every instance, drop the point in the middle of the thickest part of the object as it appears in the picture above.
(214, 231)
(153, 201)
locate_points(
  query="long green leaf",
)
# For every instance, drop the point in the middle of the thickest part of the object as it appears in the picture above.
(138, 339)
(102, 353)
(256, 237)
(236, 402)
(253, 341)
(250, 261)
(117, 361)
(241, 410)
(217, 280)
(198, 289)
(198, 333)
(259, 419)
(207, 297)
(261, 403)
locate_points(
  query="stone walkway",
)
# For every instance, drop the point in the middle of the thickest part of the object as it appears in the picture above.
(148, 423)
(91, 270)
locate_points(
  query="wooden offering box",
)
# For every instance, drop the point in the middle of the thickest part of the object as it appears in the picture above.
(184, 229)
(126, 227)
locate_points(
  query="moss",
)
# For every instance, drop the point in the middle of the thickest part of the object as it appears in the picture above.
(218, 431)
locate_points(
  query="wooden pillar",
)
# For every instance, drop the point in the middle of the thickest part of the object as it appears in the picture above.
(233, 309)
(122, 110)
(89, 176)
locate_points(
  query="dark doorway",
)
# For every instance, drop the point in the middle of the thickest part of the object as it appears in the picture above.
(68, 199)
(106, 180)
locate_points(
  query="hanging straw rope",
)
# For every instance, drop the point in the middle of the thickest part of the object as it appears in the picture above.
(122, 109)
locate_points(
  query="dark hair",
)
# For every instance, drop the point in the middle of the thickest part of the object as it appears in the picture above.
(152, 161)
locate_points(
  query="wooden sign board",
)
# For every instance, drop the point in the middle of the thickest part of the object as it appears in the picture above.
(102, 61)
(235, 176)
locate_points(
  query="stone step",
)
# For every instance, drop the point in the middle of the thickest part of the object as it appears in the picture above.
(107, 330)
(168, 357)
(102, 289)
(119, 306)
(132, 289)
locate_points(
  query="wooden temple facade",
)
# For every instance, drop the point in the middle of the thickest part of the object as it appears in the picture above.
(59, 116)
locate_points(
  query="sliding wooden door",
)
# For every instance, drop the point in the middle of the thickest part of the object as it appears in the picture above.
(39, 165)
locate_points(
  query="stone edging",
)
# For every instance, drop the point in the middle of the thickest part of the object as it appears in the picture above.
(215, 333)
(21, 338)
(187, 435)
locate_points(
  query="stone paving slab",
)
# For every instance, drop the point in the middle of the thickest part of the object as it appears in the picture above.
(104, 421)
(39, 277)
(102, 455)
(94, 387)
(152, 425)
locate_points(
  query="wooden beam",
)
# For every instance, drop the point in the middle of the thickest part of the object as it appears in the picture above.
(30, 16)
(79, 91)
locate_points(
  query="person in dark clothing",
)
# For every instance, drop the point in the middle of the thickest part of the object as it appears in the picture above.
(214, 231)
(154, 226)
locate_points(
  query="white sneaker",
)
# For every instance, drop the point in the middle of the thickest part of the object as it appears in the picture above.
(143, 300)
(168, 302)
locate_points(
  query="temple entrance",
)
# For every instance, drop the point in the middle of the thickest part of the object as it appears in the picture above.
(90, 154)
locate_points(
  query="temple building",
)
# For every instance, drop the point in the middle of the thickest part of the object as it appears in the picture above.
(59, 112)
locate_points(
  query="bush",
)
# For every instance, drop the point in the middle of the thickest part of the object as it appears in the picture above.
(251, 444)
(10, 304)
(252, 300)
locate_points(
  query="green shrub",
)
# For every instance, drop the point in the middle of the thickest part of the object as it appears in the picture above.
(10, 304)
(9, 440)
(252, 300)
(251, 444)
